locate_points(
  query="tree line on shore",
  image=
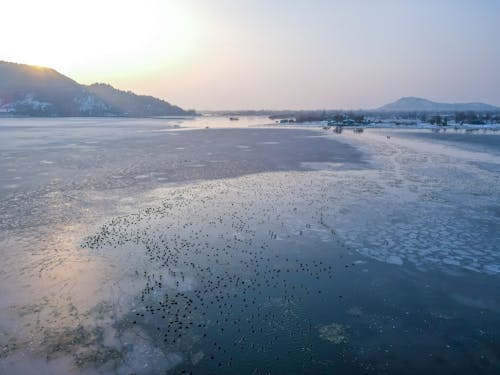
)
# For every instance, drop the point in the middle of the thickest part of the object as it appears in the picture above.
(364, 117)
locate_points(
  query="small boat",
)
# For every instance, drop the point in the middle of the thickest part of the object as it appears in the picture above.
(234, 118)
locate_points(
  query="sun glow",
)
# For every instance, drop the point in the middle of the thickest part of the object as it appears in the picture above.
(96, 38)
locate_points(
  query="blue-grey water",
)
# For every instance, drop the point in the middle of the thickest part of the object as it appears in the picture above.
(168, 246)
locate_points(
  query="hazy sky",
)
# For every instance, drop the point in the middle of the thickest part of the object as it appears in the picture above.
(252, 54)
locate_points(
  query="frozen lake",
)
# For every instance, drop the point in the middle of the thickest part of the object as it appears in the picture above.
(145, 246)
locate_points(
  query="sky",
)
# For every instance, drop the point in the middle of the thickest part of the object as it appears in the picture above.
(265, 54)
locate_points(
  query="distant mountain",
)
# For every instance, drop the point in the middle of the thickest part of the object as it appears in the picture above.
(36, 91)
(412, 104)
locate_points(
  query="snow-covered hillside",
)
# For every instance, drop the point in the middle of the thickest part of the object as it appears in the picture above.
(36, 91)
